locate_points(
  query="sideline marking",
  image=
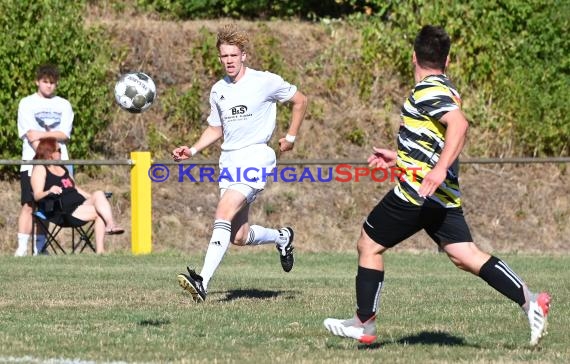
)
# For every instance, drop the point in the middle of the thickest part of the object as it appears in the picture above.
(30, 359)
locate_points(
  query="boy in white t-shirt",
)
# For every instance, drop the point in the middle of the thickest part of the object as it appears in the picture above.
(40, 115)
(243, 113)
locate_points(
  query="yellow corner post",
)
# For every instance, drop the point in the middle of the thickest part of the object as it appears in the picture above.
(141, 203)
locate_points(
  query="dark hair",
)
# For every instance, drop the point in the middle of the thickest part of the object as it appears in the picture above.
(46, 148)
(48, 71)
(432, 46)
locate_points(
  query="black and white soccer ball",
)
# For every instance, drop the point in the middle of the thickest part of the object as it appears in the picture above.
(135, 92)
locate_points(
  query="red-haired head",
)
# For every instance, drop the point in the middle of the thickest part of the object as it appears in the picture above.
(47, 148)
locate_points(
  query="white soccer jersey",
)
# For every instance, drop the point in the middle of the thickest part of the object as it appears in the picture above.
(43, 114)
(247, 110)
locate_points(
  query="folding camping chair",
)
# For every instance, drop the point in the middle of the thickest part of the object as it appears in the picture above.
(81, 233)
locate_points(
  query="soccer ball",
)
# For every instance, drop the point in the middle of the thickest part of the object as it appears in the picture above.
(135, 92)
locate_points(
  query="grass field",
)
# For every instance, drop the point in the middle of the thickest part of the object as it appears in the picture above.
(123, 308)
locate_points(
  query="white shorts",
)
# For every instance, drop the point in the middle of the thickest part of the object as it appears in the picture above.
(245, 170)
(249, 192)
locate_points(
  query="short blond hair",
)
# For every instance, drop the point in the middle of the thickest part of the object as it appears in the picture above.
(232, 35)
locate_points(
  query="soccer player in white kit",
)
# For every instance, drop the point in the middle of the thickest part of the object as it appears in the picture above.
(243, 113)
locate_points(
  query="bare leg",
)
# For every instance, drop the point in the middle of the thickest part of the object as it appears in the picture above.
(240, 226)
(99, 235)
(25, 219)
(87, 212)
(103, 208)
(370, 252)
(466, 256)
(24, 229)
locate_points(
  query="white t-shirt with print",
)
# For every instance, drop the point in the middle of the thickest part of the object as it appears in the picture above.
(43, 114)
(247, 110)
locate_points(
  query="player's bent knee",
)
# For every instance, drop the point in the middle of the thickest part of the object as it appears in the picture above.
(466, 256)
(464, 263)
(367, 246)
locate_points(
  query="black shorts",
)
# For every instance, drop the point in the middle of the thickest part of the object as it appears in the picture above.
(394, 220)
(27, 195)
(66, 220)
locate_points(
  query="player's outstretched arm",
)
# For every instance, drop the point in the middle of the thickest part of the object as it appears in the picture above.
(210, 135)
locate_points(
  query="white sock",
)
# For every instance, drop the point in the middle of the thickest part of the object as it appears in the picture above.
(219, 243)
(40, 242)
(23, 242)
(259, 235)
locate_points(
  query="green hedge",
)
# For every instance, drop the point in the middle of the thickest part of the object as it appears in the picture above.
(36, 32)
(511, 56)
(256, 9)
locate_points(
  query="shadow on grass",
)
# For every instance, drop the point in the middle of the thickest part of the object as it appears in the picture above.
(423, 338)
(254, 294)
(157, 322)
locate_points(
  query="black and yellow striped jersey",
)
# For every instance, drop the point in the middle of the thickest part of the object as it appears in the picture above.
(421, 139)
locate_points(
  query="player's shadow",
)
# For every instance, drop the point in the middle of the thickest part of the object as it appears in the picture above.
(236, 294)
(154, 322)
(423, 338)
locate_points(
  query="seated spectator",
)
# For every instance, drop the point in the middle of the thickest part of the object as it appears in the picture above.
(63, 201)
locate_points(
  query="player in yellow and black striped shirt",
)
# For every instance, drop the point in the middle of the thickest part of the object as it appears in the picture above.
(421, 140)
(427, 198)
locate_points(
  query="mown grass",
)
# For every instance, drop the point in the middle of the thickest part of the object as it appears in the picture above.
(130, 309)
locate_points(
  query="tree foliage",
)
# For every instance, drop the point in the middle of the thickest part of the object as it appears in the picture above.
(257, 9)
(511, 54)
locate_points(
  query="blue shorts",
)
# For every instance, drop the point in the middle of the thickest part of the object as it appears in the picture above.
(393, 220)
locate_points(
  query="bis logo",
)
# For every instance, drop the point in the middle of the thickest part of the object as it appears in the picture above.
(238, 110)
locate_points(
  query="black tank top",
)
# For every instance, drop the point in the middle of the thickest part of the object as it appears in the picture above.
(69, 199)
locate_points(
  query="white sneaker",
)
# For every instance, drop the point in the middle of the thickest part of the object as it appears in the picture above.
(538, 308)
(365, 332)
(22, 251)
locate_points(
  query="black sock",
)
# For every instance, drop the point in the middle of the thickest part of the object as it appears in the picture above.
(499, 276)
(368, 285)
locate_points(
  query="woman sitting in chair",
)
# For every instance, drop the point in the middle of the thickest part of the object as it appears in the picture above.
(63, 202)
